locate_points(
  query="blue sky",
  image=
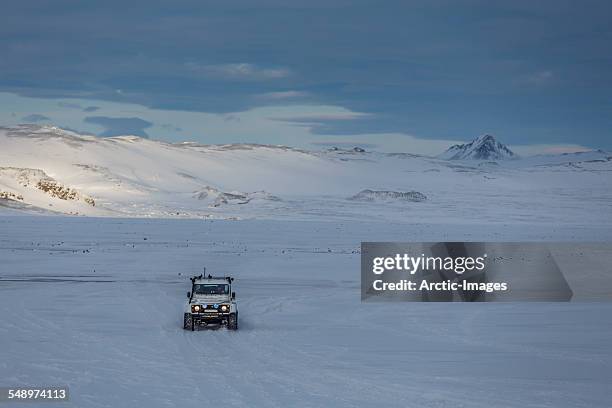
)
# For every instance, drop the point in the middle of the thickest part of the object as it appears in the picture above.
(405, 75)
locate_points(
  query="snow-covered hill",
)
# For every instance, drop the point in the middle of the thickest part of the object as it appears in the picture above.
(484, 147)
(46, 169)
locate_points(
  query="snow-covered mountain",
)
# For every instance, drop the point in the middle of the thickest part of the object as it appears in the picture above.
(50, 170)
(484, 147)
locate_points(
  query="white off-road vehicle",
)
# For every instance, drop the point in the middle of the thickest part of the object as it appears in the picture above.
(211, 303)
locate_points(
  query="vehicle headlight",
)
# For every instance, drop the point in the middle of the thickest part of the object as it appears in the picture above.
(224, 308)
(195, 308)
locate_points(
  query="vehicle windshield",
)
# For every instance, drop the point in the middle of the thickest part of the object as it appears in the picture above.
(211, 289)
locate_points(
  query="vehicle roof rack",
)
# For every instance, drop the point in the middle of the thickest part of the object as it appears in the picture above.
(201, 276)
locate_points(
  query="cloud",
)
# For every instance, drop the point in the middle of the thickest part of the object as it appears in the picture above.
(428, 68)
(231, 118)
(70, 105)
(239, 71)
(319, 115)
(74, 105)
(287, 124)
(35, 117)
(318, 122)
(540, 78)
(280, 95)
(120, 126)
(530, 150)
(170, 127)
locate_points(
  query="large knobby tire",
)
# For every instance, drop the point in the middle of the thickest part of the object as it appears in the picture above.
(187, 322)
(232, 322)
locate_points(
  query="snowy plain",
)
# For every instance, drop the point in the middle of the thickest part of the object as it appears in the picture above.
(96, 302)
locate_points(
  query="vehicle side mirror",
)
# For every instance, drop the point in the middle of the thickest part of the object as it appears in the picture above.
(188, 294)
(233, 295)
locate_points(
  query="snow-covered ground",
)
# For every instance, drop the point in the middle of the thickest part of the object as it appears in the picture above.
(95, 303)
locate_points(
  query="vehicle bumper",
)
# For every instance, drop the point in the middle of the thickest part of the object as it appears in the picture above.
(210, 318)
